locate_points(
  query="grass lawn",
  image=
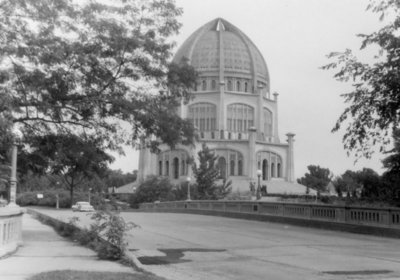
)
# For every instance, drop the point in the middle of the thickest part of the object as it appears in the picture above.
(89, 275)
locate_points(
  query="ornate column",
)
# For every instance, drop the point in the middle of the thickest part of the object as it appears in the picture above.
(252, 165)
(290, 158)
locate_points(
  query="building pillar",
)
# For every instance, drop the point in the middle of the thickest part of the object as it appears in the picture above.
(252, 164)
(290, 158)
(260, 108)
(222, 109)
(275, 119)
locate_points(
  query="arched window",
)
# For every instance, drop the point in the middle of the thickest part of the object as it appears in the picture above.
(267, 122)
(245, 87)
(265, 170)
(160, 168)
(240, 167)
(271, 164)
(232, 167)
(204, 85)
(238, 86)
(229, 85)
(222, 167)
(240, 117)
(213, 85)
(176, 168)
(203, 116)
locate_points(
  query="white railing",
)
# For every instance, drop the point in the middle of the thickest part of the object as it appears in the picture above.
(10, 229)
(369, 216)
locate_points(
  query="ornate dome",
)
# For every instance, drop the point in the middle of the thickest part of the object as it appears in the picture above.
(219, 45)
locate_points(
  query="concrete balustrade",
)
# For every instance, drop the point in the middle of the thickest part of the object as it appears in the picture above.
(10, 229)
(365, 216)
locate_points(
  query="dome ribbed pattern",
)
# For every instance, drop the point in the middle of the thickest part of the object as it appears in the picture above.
(240, 55)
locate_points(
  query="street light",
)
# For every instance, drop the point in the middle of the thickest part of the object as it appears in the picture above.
(258, 193)
(188, 179)
(17, 136)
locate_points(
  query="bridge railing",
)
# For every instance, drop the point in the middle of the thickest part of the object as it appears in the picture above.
(377, 217)
(10, 229)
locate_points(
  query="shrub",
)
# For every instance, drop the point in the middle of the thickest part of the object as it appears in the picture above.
(27, 199)
(112, 227)
(154, 188)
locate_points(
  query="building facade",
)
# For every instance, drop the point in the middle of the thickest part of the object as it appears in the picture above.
(234, 111)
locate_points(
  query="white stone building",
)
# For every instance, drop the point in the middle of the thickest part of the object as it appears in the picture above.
(234, 112)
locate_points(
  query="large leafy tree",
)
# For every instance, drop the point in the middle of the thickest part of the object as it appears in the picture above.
(391, 178)
(373, 109)
(75, 159)
(316, 178)
(93, 67)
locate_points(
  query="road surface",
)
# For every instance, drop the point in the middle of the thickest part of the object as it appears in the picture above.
(184, 246)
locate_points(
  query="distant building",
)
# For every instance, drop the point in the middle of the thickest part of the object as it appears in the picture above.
(234, 112)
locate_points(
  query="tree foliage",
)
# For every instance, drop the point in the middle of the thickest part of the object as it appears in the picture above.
(317, 178)
(73, 67)
(206, 174)
(374, 103)
(155, 188)
(75, 158)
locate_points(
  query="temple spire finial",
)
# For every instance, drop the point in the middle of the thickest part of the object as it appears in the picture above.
(220, 25)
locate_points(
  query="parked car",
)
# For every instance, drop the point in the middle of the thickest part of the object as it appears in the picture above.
(82, 206)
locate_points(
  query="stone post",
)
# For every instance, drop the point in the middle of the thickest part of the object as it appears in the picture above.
(13, 178)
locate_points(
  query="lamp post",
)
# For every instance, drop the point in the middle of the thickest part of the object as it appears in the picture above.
(258, 193)
(188, 179)
(17, 135)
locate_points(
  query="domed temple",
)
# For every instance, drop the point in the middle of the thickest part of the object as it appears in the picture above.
(234, 112)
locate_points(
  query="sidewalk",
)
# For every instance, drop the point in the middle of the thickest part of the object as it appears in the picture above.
(44, 250)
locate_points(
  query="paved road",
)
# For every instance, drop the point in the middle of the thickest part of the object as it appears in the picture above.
(206, 247)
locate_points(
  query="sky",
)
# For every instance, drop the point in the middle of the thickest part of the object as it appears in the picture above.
(294, 37)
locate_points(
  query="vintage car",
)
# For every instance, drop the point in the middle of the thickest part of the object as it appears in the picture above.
(82, 206)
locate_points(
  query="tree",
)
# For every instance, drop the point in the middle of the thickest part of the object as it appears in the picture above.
(392, 162)
(366, 180)
(152, 189)
(391, 178)
(317, 178)
(73, 67)
(370, 183)
(73, 158)
(207, 173)
(116, 178)
(374, 104)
